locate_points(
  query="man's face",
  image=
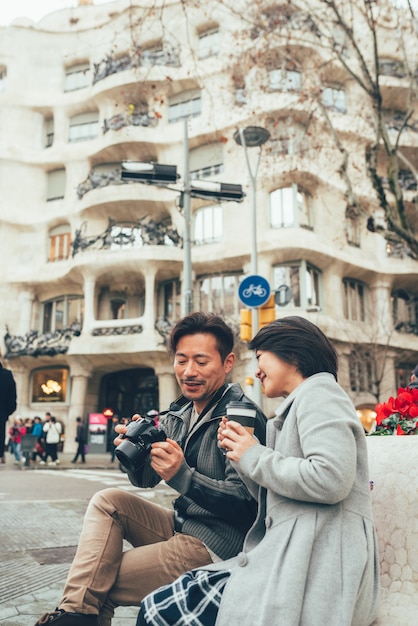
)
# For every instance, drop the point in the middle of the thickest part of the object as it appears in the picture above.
(199, 369)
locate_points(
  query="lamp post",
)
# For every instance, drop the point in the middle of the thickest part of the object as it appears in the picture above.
(253, 137)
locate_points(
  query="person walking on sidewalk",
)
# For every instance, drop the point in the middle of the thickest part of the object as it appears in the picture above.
(212, 513)
(81, 440)
(52, 430)
(7, 404)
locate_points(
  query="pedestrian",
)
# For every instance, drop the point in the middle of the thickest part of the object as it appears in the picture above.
(16, 432)
(52, 430)
(81, 441)
(414, 378)
(214, 509)
(7, 405)
(37, 431)
(311, 557)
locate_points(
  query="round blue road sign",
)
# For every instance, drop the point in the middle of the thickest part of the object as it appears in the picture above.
(254, 291)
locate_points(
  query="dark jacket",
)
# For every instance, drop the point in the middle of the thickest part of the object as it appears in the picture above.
(7, 393)
(215, 506)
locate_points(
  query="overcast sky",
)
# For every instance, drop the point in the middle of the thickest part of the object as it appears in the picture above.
(34, 9)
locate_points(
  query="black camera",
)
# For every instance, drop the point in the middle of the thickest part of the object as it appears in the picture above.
(140, 435)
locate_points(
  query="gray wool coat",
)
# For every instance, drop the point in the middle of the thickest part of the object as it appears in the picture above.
(310, 559)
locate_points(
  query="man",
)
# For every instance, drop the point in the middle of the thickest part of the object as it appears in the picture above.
(414, 378)
(81, 441)
(212, 513)
(7, 404)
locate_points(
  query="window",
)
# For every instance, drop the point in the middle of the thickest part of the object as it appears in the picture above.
(303, 283)
(287, 136)
(290, 207)
(84, 126)
(218, 294)
(56, 185)
(77, 77)
(405, 311)
(185, 104)
(169, 299)
(334, 98)
(362, 372)
(49, 132)
(50, 385)
(3, 75)
(354, 300)
(209, 43)
(59, 243)
(285, 80)
(62, 313)
(206, 161)
(208, 225)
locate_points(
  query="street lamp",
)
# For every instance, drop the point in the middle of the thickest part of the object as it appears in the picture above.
(253, 137)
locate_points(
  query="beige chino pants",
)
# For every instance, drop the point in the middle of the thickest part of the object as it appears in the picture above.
(103, 576)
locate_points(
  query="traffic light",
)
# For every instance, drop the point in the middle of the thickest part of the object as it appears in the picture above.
(267, 312)
(152, 173)
(246, 326)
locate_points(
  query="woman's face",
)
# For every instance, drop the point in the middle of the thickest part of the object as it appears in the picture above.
(277, 377)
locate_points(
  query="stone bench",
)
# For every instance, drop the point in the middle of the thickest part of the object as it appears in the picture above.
(393, 463)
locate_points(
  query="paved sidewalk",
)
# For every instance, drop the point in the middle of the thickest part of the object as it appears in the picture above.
(32, 580)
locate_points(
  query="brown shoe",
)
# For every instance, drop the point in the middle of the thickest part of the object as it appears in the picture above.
(2, 460)
(62, 618)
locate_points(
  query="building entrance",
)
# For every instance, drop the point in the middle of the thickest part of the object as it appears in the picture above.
(127, 392)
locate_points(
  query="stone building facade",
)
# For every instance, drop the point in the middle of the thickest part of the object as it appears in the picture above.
(94, 266)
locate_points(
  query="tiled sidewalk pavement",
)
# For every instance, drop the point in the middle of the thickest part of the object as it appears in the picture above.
(32, 580)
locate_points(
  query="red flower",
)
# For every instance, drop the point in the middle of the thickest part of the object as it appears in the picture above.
(399, 430)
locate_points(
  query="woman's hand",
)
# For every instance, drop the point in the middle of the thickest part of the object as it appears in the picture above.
(234, 438)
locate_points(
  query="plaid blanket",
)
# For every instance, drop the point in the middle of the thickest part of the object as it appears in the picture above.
(193, 600)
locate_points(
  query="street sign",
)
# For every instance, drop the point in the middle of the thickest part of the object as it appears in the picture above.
(254, 291)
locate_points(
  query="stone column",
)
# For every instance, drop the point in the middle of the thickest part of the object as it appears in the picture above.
(149, 312)
(89, 285)
(167, 388)
(79, 382)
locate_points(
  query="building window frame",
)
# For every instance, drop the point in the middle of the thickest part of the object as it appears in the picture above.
(56, 181)
(83, 127)
(59, 243)
(355, 300)
(62, 312)
(208, 224)
(184, 105)
(334, 97)
(304, 281)
(77, 76)
(218, 293)
(291, 207)
(209, 43)
(50, 385)
(282, 79)
(362, 372)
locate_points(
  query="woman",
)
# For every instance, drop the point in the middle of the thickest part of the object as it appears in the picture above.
(310, 558)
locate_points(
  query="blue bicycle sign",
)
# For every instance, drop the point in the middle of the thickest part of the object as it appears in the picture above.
(254, 291)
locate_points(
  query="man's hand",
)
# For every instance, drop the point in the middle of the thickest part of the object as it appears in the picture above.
(234, 439)
(166, 458)
(122, 428)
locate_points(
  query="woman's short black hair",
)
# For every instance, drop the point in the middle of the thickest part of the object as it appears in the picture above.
(298, 342)
(200, 322)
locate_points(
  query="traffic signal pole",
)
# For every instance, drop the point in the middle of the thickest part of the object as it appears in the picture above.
(187, 244)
